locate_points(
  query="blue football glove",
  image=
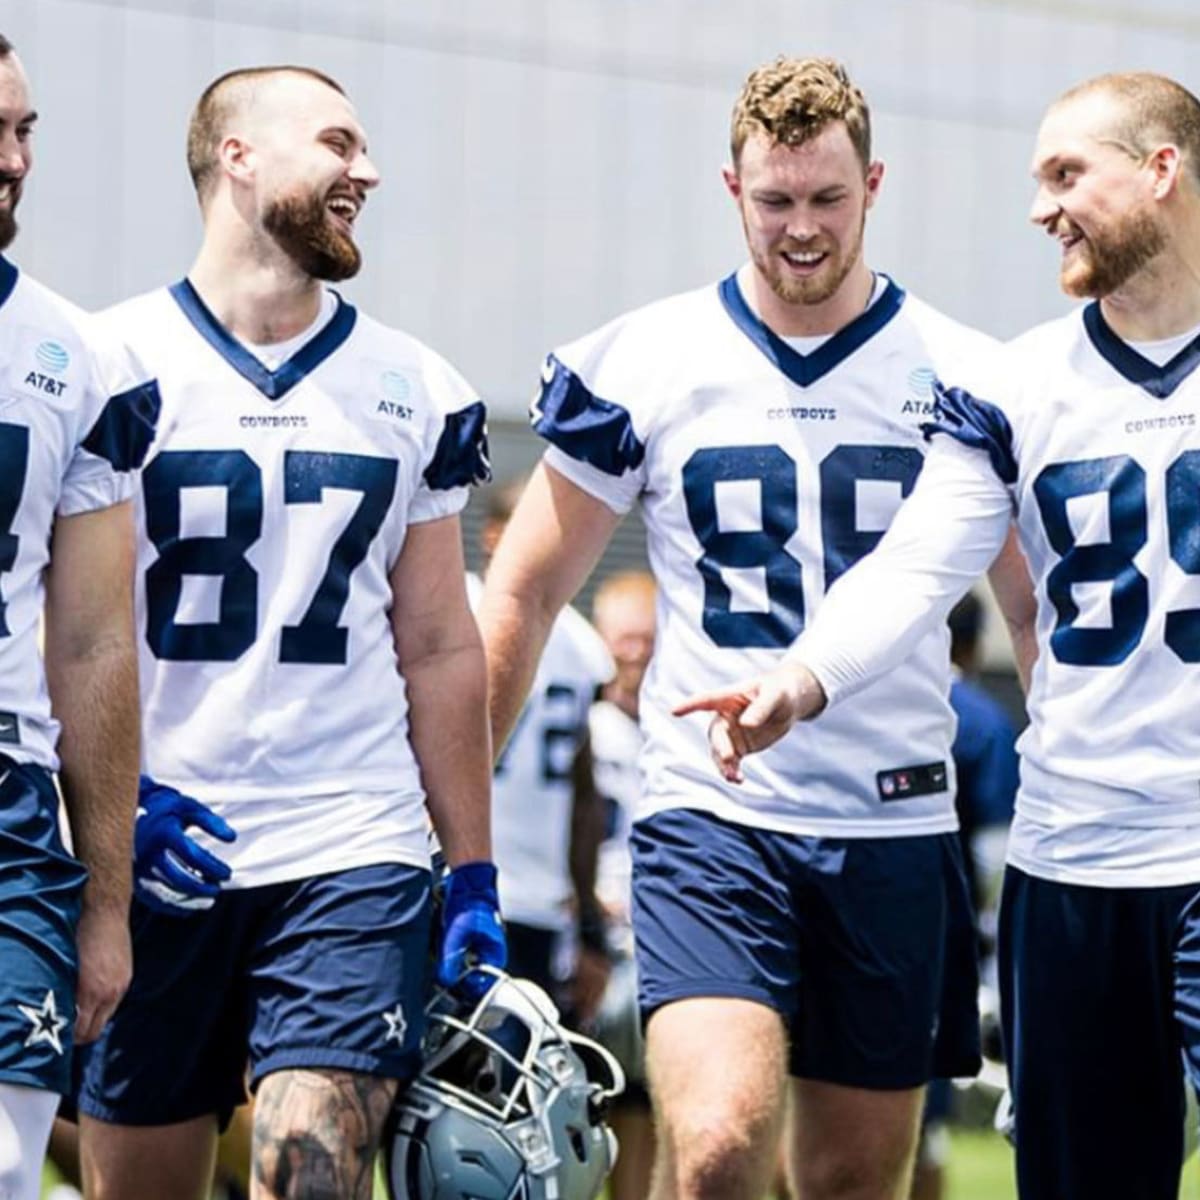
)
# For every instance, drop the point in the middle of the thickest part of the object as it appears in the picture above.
(472, 934)
(173, 873)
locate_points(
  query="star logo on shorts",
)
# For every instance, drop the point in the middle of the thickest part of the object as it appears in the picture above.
(396, 1023)
(47, 1024)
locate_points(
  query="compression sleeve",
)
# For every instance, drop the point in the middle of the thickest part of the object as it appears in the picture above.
(943, 537)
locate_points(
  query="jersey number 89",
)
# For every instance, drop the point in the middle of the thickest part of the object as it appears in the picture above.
(765, 548)
(1123, 481)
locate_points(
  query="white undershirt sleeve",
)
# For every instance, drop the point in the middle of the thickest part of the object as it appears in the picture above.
(944, 536)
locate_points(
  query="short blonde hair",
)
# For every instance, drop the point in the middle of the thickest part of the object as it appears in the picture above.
(793, 99)
(225, 98)
(1153, 109)
(638, 585)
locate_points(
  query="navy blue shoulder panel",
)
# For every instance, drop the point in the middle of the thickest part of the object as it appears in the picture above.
(124, 430)
(582, 425)
(1160, 382)
(975, 423)
(8, 279)
(461, 455)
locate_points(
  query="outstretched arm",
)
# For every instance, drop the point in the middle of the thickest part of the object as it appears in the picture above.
(553, 540)
(945, 535)
(91, 670)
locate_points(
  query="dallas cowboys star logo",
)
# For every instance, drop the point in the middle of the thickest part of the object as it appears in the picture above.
(396, 1023)
(47, 1024)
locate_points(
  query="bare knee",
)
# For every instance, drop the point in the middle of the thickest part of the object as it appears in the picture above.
(830, 1175)
(716, 1069)
(719, 1160)
(851, 1144)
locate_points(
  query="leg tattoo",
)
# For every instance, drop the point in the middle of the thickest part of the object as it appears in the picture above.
(316, 1134)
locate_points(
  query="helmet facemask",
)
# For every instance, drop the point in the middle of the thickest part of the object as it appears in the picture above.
(508, 1104)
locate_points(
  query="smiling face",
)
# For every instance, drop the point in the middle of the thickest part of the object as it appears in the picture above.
(803, 209)
(1096, 197)
(312, 173)
(16, 149)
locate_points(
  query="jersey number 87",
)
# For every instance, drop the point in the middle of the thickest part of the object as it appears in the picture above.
(317, 638)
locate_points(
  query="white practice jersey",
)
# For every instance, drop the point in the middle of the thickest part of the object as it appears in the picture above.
(1098, 450)
(273, 507)
(533, 788)
(616, 747)
(74, 427)
(763, 475)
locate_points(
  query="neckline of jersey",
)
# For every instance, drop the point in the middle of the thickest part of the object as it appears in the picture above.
(1159, 382)
(8, 279)
(273, 384)
(806, 369)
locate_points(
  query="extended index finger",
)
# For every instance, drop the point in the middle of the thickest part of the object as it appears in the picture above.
(729, 702)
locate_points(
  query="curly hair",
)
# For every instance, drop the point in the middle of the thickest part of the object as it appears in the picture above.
(793, 99)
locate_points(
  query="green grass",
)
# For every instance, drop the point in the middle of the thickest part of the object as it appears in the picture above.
(981, 1168)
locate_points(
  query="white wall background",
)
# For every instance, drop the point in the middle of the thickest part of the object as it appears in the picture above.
(548, 163)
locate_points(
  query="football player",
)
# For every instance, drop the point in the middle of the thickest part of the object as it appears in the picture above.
(797, 926)
(312, 679)
(623, 613)
(69, 447)
(1088, 428)
(547, 823)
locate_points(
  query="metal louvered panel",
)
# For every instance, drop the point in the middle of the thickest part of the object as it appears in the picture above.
(515, 449)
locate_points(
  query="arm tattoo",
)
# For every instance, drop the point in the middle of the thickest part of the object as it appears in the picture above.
(316, 1134)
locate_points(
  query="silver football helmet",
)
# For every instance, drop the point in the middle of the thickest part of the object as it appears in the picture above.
(508, 1105)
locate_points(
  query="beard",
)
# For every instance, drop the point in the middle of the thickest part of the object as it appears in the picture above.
(8, 217)
(301, 227)
(818, 288)
(1106, 260)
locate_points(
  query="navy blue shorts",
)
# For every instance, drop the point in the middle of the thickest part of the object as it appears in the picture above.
(40, 885)
(331, 972)
(865, 946)
(1100, 1003)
